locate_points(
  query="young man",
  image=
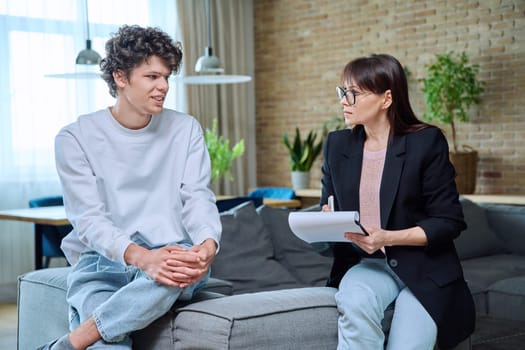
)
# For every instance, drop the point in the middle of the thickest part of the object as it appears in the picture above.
(135, 181)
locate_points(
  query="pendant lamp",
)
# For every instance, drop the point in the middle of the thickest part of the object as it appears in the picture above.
(88, 55)
(86, 58)
(209, 66)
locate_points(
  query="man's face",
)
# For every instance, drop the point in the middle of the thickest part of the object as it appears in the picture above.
(145, 90)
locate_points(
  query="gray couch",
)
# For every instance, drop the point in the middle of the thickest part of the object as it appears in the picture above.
(492, 252)
(274, 297)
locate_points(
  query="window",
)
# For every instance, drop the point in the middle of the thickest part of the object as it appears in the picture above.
(39, 38)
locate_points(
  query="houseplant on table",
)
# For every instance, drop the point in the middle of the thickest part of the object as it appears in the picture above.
(303, 153)
(221, 154)
(450, 89)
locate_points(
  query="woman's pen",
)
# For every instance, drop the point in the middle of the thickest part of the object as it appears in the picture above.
(331, 203)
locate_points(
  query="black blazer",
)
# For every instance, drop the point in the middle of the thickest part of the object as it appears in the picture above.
(417, 189)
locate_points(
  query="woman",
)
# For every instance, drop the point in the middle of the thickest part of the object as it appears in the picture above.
(394, 169)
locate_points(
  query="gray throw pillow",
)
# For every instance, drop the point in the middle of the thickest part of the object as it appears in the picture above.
(298, 256)
(246, 256)
(508, 221)
(478, 239)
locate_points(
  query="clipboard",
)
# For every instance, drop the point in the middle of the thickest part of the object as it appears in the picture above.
(325, 226)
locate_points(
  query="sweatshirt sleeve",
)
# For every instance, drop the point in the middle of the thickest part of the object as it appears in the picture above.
(84, 208)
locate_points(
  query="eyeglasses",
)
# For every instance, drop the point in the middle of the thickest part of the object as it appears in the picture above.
(349, 95)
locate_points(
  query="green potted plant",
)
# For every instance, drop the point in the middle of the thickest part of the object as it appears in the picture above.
(449, 90)
(221, 154)
(303, 153)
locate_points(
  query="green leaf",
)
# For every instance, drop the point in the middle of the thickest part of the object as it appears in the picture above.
(450, 89)
(303, 153)
(221, 155)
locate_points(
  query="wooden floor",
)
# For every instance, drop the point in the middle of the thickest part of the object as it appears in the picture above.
(8, 316)
(8, 319)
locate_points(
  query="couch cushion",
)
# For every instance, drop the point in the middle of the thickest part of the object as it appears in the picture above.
(298, 256)
(246, 256)
(304, 318)
(478, 239)
(508, 222)
(506, 299)
(481, 273)
(159, 334)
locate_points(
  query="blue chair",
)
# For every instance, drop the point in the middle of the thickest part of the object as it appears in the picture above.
(272, 192)
(48, 237)
(227, 204)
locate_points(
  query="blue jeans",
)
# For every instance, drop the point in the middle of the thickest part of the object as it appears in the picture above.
(365, 292)
(121, 299)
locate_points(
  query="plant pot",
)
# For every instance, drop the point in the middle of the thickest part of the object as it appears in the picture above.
(466, 165)
(300, 179)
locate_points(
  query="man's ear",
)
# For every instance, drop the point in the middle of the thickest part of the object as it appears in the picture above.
(388, 99)
(120, 78)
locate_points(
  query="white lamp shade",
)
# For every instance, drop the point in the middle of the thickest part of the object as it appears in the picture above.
(208, 63)
(215, 79)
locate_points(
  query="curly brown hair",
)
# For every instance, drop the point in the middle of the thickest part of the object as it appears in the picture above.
(131, 45)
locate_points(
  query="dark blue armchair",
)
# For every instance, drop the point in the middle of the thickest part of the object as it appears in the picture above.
(48, 237)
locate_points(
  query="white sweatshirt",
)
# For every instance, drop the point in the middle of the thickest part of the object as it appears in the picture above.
(121, 184)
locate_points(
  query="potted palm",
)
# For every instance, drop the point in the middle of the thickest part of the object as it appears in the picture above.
(449, 90)
(303, 153)
(221, 154)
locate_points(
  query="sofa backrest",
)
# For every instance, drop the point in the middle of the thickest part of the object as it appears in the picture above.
(258, 252)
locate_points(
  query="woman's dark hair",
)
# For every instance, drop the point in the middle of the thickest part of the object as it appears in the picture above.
(131, 46)
(378, 73)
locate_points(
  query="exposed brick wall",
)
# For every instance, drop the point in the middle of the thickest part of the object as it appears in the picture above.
(301, 47)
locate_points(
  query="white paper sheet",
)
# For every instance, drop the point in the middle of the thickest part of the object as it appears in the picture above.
(324, 226)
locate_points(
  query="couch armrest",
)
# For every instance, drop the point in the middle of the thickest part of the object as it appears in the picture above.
(43, 310)
(42, 307)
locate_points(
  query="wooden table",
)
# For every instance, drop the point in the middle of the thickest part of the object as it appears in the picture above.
(280, 203)
(308, 196)
(55, 216)
(308, 193)
(497, 198)
(314, 194)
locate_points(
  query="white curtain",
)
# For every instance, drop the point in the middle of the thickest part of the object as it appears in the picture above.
(38, 38)
(232, 104)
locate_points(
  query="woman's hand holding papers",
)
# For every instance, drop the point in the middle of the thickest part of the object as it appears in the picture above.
(375, 240)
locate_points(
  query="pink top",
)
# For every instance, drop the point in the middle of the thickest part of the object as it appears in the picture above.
(373, 162)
